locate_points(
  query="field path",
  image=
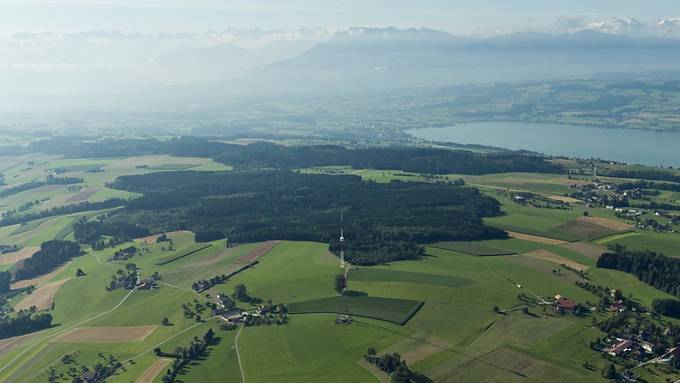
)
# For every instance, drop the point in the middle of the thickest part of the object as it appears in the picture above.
(238, 356)
(167, 339)
(150, 374)
(47, 337)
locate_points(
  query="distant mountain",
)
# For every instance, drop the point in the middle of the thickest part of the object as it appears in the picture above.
(626, 26)
(216, 63)
(389, 57)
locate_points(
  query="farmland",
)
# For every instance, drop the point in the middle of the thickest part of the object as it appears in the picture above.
(457, 314)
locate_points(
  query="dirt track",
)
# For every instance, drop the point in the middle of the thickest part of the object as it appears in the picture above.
(106, 334)
(9, 258)
(150, 374)
(42, 297)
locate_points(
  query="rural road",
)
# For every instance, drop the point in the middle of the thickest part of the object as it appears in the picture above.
(238, 356)
(30, 346)
(167, 339)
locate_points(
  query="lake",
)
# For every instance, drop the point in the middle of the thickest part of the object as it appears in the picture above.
(625, 145)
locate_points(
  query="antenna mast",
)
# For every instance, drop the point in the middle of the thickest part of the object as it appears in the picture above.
(342, 243)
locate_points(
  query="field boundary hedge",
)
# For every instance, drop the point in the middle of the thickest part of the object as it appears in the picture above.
(166, 260)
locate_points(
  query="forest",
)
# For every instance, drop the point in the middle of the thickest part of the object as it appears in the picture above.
(23, 323)
(254, 206)
(268, 155)
(93, 233)
(49, 180)
(657, 270)
(51, 254)
(11, 218)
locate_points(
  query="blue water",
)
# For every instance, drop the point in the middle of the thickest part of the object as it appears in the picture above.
(625, 145)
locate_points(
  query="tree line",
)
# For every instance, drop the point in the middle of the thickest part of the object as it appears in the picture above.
(13, 219)
(23, 323)
(100, 235)
(51, 254)
(49, 180)
(656, 270)
(385, 221)
(268, 155)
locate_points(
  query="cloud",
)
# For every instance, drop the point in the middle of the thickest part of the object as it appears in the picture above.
(571, 23)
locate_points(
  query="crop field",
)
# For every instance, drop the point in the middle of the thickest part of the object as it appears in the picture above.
(398, 311)
(437, 312)
(14, 257)
(96, 173)
(106, 334)
(369, 274)
(42, 297)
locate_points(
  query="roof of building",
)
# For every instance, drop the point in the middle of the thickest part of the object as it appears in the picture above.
(566, 303)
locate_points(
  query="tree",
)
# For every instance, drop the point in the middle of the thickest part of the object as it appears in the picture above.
(340, 283)
(80, 272)
(165, 322)
(401, 374)
(5, 278)
(609, 372)
(371, 351)
(241, 293)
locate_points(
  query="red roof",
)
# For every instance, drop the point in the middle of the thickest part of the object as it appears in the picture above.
(566, 303)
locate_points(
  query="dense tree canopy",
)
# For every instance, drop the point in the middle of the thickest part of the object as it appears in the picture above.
(50, 255)
(384, 221)
(267, 155)
(668, 307)
(654, 269)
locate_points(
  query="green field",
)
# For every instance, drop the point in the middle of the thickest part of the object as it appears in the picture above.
(393, 310)
(473, 248)
(437, 311)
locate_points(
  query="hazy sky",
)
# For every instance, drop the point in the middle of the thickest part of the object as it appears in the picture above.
(462, 17)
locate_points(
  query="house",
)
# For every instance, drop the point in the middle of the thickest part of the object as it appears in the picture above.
(564, 304)
(620, 347)
(233, 315)
(343, 319)
(147, 284)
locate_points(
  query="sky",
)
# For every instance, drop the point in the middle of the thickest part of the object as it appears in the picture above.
(454, 16)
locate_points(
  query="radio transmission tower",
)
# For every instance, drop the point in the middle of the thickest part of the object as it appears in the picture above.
(342, 243)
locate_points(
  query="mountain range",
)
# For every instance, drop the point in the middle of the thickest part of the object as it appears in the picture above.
(316, 60)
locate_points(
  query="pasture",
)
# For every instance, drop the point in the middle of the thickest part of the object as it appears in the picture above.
(393, 310)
